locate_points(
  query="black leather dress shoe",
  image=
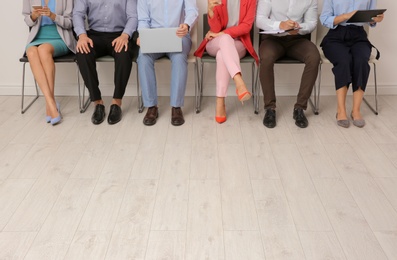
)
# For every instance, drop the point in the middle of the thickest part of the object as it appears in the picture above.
(300, 118)
(99, 114)
(114, 114)
(177, 116)
(270, 118)
(151, 116)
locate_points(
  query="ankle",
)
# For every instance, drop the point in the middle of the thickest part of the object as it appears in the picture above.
(116, 102)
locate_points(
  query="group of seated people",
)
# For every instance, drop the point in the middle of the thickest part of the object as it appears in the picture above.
(114, 30)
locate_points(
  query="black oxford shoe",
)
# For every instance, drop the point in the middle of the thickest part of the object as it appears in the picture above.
(114, 114)
(270, 118)
(99, 114)
(300, 118)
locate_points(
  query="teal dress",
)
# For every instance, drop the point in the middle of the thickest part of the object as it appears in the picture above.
(48, 34)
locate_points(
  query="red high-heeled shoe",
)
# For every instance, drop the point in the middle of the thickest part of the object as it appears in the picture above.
(220, 119)
(246, 95)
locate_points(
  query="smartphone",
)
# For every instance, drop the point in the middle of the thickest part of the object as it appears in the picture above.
(37, 7)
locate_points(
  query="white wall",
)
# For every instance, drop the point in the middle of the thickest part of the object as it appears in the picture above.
(14, 34)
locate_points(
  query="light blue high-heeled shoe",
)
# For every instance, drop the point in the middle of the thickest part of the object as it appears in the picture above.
(48, 118)
(57, 119)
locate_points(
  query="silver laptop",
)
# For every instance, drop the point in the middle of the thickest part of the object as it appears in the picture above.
(159, 40)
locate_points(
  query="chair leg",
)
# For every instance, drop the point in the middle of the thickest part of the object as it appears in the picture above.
(199, 92)
(23, 109)
(375, 110)
(196, 83)
(256, 91)
(138, 92)
(83, 103)
(316, 93)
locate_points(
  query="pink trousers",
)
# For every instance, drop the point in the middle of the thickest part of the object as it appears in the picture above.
(228, 52)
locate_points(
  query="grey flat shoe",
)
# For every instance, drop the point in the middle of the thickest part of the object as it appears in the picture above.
(358, 122)
(343, 122)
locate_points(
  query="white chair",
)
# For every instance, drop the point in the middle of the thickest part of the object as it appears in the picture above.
(321, 32)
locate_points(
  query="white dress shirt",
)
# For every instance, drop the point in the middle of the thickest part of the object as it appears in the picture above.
(270, 13)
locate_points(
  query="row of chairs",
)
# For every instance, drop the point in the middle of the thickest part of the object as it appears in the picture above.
(199, 74)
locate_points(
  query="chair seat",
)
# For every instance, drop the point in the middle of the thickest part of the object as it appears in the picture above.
(288, 60)
(106, 58)
(70, 57)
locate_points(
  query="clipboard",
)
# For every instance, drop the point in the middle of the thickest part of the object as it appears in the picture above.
(277, 31)
(364, 16)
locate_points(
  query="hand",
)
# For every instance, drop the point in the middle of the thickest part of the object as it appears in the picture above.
(211, 5)
(83, 44)
(35, 14)
(138, 42)
(377, 19)
(182, 30)
(120, 42)
(45, 11)
(293, 32)
(347, 16)
(211, 35)
(288, 25)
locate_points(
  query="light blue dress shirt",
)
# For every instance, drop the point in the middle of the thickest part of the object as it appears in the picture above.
(45, 20)
(333, 8)
(105, 16)
(166, 13)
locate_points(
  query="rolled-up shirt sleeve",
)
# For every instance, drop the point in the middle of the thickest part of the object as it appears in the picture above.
(327, 16)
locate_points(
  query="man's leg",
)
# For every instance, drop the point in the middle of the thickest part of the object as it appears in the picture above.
(270, 50)
(305, 51)
(179, 72)
(147, 77)
(122, 72)
(87, 65)
(178, 80)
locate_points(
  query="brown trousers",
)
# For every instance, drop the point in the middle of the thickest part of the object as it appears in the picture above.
(297, 47)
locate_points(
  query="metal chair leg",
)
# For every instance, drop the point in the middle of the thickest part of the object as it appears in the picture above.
(256, 92)
(375, 110)
(139, 92)
(83, 103)
(23, 109)
(196, 84)
(199, 93)
(316, 93)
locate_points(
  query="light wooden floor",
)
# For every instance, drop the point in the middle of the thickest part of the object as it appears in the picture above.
(200, 191)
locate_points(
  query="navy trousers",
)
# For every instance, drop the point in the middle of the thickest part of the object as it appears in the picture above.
(348, 49)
